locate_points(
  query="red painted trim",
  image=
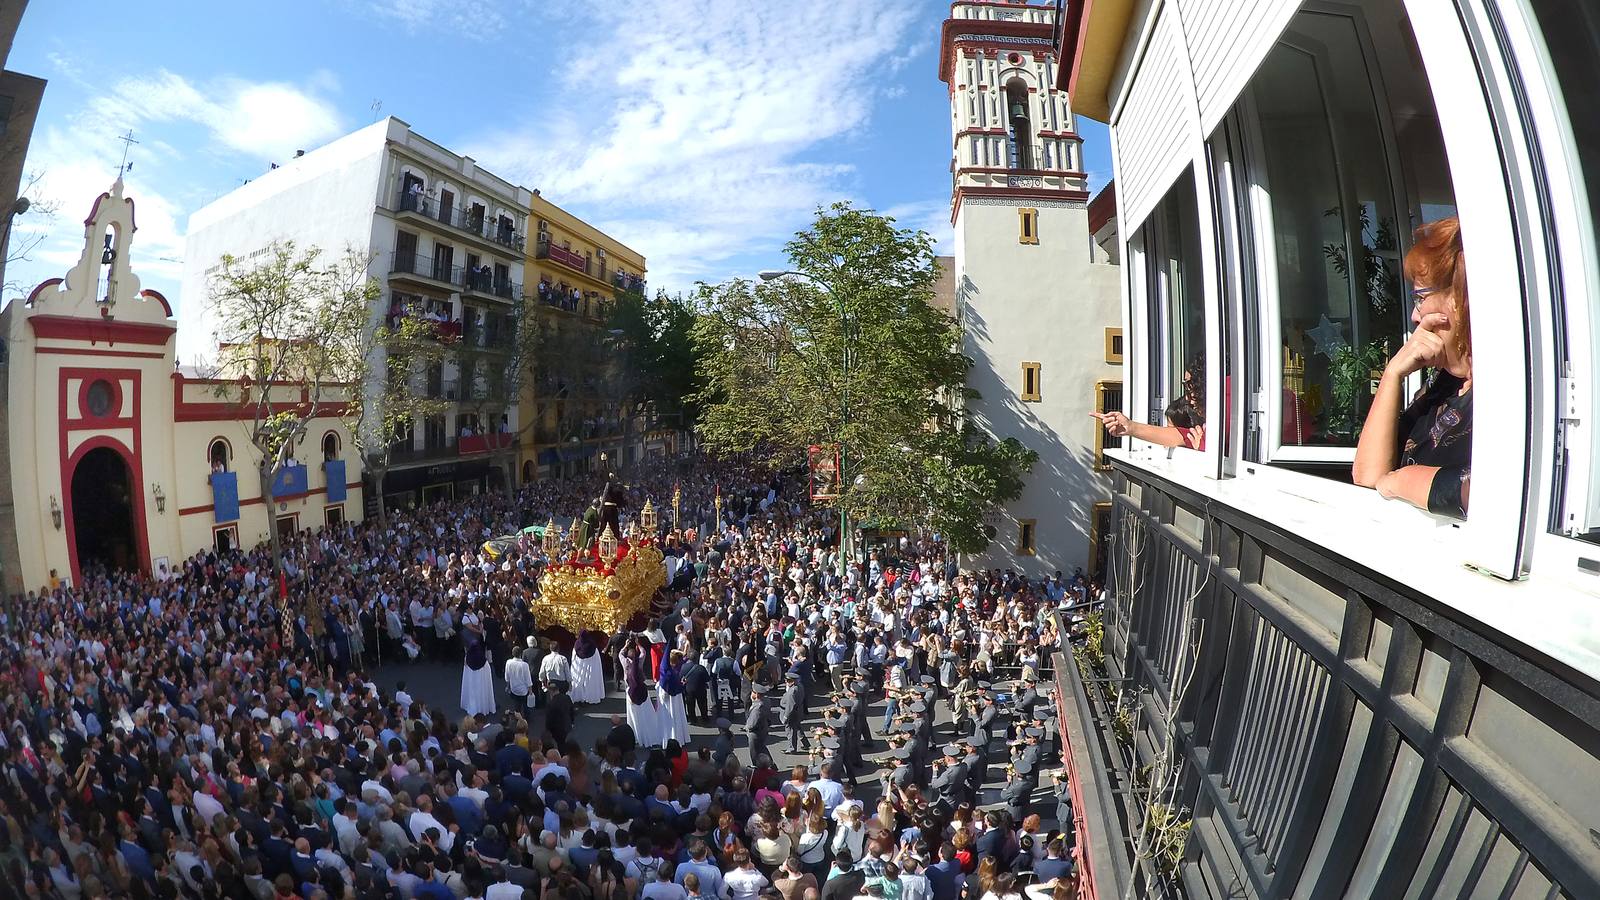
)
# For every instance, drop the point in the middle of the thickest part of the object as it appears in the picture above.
(85, 351)
(1011, 193)
(964, 29)
(149, 294)
(95, 331)
(243, 411)
(1103, 208)
(1069, 46)
(86, 419)
(1002, 170)
(131, 456)
(42, 285)
(1001, 132)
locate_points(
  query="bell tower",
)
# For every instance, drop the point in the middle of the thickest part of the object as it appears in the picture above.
(1033, 298)
(1013, 132)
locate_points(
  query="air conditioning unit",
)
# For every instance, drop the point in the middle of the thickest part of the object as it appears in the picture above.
(600, 252)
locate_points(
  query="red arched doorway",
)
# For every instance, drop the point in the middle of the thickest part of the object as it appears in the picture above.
(104, 531)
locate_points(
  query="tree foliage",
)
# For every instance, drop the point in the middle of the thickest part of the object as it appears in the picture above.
(403, 350)
(852, 351)
(657, 336)
(295, 336)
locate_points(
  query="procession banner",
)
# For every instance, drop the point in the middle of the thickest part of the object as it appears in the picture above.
(824, 465)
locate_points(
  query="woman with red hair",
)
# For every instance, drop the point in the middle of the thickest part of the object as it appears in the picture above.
(1422, 453)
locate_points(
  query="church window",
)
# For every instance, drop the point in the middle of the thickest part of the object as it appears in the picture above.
(1026, 529)
(1030, 381)
(217, 455)
(1029, 226)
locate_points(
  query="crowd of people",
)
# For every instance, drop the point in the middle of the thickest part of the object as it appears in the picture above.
(168, 739)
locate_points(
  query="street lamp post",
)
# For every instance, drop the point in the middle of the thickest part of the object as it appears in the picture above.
(18, 207)
(844, 391)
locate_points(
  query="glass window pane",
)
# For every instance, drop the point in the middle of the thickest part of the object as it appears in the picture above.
(1570, 30)
(1170, 239)
(1347, 147)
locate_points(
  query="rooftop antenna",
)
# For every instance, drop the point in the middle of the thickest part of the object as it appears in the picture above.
(376, 105)
(127, 144)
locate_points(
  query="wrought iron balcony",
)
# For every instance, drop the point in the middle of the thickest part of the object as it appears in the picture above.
(547, 250)
(423, 266)
(473, 220)
(485, 283)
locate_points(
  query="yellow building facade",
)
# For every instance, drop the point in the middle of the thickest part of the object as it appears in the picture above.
(110, 456)
(572, 407)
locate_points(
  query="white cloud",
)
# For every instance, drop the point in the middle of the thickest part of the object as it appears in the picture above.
(79, 157)
(474, 17)
(932, 216)
(267, 120)
(692, 131)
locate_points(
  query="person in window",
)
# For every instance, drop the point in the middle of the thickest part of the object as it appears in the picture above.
(1422, 453)
(1185, 416)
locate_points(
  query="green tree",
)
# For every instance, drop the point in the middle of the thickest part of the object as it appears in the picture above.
(853, 351)
(493, 361)
(657, 339)
(403, 350)
(296, 334)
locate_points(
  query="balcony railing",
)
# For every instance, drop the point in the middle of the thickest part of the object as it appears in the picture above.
(484, 443)
(423, 266)
(625, 282)
(564, 296)
(481, 282)
(474, 221)
(447, 330)
(548, 250)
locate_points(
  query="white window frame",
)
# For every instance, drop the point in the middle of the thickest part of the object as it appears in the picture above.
(1266, 272)
(1571, 506)
(1510, 382)
(1577, 402)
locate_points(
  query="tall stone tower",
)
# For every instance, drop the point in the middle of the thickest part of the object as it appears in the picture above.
(1035, 294)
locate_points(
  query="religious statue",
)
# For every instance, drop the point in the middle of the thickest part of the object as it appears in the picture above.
(612, 499)
(588, 528)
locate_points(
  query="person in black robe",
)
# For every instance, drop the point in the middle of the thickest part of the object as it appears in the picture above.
(559, 717)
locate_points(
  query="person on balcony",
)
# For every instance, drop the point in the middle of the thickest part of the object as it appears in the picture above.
(1422, 453)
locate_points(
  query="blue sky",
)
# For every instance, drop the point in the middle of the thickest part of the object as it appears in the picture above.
(701, 133)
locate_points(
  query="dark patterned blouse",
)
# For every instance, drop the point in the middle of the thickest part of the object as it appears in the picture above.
(1436, 430)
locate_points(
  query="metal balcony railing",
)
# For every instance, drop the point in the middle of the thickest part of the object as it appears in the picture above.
(484, 282)
(405, 262)
(473, 220)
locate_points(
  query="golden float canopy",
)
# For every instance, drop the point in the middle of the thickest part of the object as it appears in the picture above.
(578, 597)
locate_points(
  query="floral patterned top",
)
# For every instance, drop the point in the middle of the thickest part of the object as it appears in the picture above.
(1436, 430)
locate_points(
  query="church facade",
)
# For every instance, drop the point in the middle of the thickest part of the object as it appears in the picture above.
(110, 456)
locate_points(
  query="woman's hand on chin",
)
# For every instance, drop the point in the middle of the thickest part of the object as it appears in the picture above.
(1424, 348)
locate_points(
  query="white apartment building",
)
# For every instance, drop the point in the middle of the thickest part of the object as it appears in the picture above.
(447, 241)
(1037, 298)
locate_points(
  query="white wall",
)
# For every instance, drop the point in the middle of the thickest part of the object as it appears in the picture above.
(1047, 303)
(325, 199)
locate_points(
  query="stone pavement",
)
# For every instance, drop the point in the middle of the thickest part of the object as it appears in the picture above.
(438, 684)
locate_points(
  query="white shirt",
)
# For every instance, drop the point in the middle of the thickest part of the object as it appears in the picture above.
(554, 667)
(420, 822)
(504, 890)
(207, 806)
(744, 884)
(374, 785)
(518, 676)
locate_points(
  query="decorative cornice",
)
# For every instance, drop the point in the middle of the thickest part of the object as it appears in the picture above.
(1028, 35)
